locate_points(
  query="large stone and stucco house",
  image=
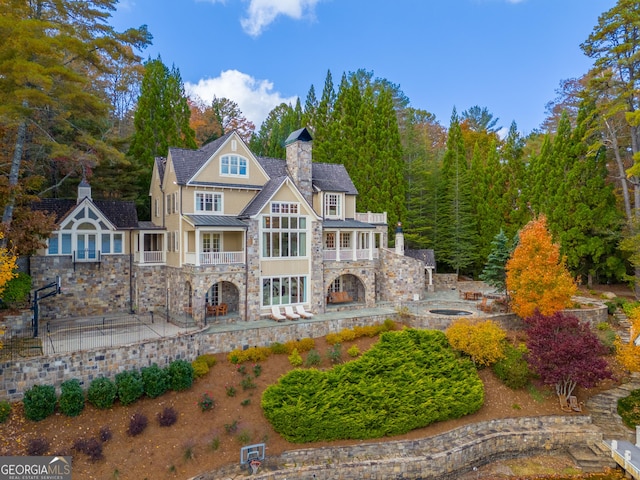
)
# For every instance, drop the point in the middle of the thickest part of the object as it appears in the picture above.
(227, 228)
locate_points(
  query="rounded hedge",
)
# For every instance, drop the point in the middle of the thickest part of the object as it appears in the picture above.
(102, 393)
(154, 380)
(180, 375)
(39, 402)
(71, 401)
(129, 385)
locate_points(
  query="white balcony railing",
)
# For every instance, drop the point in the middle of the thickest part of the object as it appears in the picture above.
(348, 254)
(150, 257)
(214, 258)
(369, 217)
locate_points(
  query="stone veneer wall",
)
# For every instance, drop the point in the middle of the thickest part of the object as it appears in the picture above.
(442, 457)
(364, 270)
(150, 288)
(91, 288)
(16, 377)
(401, 278)
(445, 281)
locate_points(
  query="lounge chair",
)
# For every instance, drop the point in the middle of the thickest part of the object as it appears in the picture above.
(564, 403)
(573, 403)
(302, 312)
(276, 315)
(290, 314)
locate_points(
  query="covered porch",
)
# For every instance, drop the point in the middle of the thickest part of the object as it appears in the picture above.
(215, 240)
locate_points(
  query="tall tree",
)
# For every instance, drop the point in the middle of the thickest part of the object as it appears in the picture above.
(281, 121)
(537, 279)
(614, 82)
(456, 227)
(494, 272)
(205, 121)
(161, 121)
(54, 54)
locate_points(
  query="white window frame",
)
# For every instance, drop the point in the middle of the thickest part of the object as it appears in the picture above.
(230, 169)
(198, 203)
(333, 205)
(284, 286)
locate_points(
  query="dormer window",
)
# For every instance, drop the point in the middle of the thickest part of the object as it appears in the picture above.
(233, 165)
(332, 205)
(208, 202)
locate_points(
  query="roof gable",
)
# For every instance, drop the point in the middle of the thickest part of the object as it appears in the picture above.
(120, 214)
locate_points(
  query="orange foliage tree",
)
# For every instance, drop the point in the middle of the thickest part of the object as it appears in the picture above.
(628, 354)
(7, 265)
(537, 278)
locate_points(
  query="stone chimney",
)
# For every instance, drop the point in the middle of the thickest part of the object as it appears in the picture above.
(399, 239)
(298, 146)
(84, 190)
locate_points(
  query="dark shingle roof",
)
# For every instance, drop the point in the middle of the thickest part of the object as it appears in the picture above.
(332, 177)
(274, 167)
(260, 200)
(426, 255)
(215, 221)
(301, 134)
(122, 214)
(187, 162)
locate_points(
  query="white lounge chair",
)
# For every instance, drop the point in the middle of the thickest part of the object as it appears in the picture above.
(276, 315)
(290, 314)
(302, 312)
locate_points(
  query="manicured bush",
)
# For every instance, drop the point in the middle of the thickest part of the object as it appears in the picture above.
(354, 351)
(200, 368)
(5, 410)
(180, 375)
(407, 380)
(71, 401)
(167, 417)
(137, 423)
(102, 393)
(130, 386)
(39, 402)
(252, 354)
(91, 447)
(483, 341)
(278, 348)
(629, 409)
(513, 370)
(154, 381)
(207, 358)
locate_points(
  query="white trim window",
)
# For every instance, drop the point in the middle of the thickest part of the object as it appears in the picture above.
(332, 205)
(233, 166)
(284, 290)
(284, 232)
(208, 202)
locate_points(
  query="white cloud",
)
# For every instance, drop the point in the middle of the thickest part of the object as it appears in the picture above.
(261, 13)
(255, 98)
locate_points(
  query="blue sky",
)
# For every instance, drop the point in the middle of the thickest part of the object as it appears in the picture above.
(506, 55)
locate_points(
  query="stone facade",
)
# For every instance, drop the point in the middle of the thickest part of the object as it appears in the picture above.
(401, 278)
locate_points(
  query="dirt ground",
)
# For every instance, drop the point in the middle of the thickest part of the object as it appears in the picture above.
(203, 441)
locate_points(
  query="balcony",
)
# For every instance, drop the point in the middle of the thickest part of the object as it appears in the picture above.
(150, 257)
(350, 255)
(373, 218)
(214, 258)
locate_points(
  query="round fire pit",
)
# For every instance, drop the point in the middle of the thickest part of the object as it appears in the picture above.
(450, 312)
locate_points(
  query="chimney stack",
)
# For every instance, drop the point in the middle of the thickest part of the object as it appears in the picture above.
(299, 146)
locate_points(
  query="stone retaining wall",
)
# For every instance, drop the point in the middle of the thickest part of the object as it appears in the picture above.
(444, 456)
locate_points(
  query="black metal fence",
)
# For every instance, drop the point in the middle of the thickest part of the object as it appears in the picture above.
(72, 335)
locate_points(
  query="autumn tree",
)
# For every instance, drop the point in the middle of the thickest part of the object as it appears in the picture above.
(537, 279)
(482, 341)
(565, 353)
(628, 354)
(54, 58)
(7, 265)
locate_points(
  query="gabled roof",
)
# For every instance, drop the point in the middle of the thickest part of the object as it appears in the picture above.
(426, 255)
(121, 214)
(332, 177)
(261, 199)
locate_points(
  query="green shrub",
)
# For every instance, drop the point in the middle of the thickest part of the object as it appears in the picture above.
(278, 348)
(180, 375)
(607, 336)
(207, 358)
(295, 359)
(17, 289)
(407, 380)
(71, 401)
(102, 393)
(130, 386)
(629, 409)
(513, 370)
(5, 410)
(334, 354)
(39, 402)
(313, 358)
(154, 381)
(354, 351)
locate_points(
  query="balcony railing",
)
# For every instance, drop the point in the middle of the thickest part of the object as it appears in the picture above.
(215, 258)
(150, 257)
(349, 254)
(368, 217)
